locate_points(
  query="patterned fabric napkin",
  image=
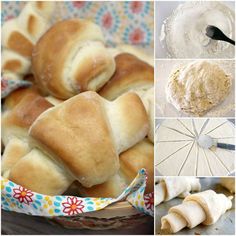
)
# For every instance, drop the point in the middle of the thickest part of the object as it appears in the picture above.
(19, 199)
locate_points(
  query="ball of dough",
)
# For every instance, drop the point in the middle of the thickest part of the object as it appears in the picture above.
(197, 87)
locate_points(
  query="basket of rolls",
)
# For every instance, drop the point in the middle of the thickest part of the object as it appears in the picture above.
(77, 114)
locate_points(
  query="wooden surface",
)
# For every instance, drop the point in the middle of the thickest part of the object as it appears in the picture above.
(18, 224)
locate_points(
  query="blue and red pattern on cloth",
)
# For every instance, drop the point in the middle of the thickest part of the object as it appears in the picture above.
(137, 9)
(115, 18)
(108, 19)
(7, 86)
(137, 35)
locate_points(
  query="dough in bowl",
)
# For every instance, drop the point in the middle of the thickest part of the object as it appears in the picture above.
(184, 31)
(197, 87)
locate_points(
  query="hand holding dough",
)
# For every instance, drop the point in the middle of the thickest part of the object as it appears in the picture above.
(169, 188)
(200, 208)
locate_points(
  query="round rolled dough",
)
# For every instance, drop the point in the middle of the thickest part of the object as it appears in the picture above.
(197, 87)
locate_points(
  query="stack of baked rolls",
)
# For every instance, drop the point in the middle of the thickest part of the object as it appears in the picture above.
(87, 123)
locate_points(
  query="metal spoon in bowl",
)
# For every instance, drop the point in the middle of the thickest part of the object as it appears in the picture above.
(216, 34)
(206, 142)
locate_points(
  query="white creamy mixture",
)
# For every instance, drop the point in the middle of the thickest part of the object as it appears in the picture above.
(184, 31)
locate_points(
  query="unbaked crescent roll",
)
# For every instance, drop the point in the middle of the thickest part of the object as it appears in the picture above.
(199, 208)
(170, 187)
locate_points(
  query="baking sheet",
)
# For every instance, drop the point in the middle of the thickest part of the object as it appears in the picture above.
(224, 226)
(164, 109)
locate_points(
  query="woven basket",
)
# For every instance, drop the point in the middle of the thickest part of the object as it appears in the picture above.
(118, 215)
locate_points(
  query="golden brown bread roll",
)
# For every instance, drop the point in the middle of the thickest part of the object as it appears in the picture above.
(147, 98)
(131, 74)
(34, 18)
(131, 161)
(41, 174)
(138, 52)
(134, 75)
(19, 36)
(139, 156)
(95, 130)
(53, 100)
(21, 33)
(134, 50)
(71, 58)
(111, 188)
(13, 152)
(15, 97)
(21, 108)
(114, 128)
(14, 62)
(44, 8)
(16, 39)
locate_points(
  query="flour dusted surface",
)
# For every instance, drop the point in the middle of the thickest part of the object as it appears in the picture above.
(178, 153)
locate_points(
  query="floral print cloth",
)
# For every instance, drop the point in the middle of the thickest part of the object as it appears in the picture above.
(19, 199)
(129, 22)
